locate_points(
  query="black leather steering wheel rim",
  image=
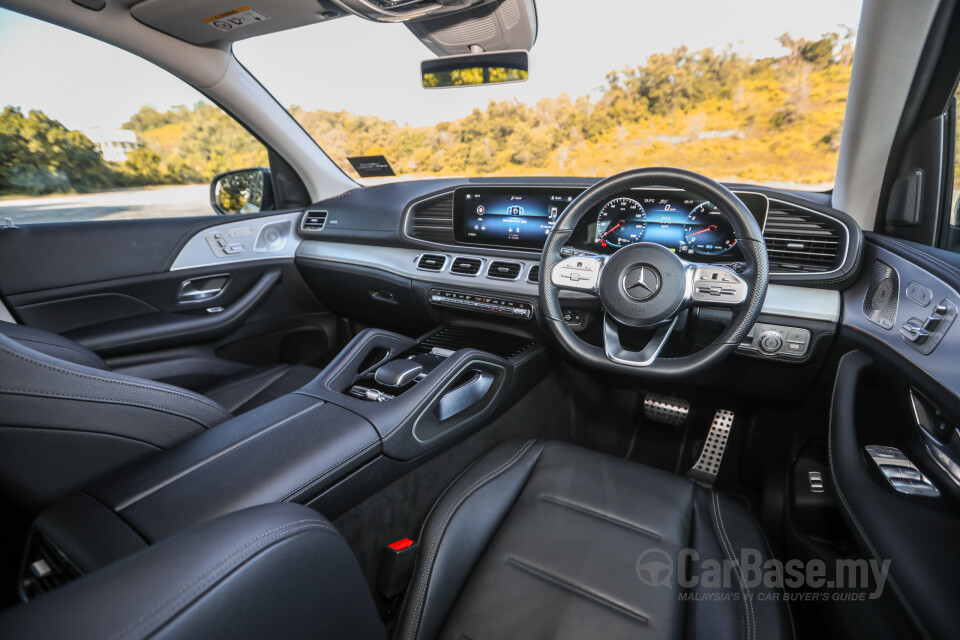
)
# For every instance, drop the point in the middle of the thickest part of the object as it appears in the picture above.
(749, 240)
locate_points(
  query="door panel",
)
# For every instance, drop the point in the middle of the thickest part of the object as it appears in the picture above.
(48, 256)
(899, 501)
(917, 533)
(108, 285)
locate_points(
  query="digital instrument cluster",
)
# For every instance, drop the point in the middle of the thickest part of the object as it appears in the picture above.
(679, 220)
(684, 224)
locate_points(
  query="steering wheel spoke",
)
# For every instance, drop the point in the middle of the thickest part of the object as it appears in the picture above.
(617, 353)
(714, 286)
(578, 273)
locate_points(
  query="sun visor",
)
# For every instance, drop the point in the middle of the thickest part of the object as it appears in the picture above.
(205, 22)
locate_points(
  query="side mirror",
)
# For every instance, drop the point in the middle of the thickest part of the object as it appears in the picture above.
(243, 191)
(475, 69)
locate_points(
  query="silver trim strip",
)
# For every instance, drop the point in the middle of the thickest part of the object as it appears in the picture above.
(5, 314)
(197, 253)
(781, 300)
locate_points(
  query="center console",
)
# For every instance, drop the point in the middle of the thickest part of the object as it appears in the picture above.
(385, 405)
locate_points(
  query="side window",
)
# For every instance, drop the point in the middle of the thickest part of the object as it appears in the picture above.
(954, 214)
(101, 134)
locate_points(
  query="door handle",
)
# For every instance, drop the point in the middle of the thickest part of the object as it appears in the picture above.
(465, 396)
(203, 288)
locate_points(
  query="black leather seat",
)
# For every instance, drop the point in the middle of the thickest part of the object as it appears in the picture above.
(273, 571)
(65, 418)
(547, 540)
(534, 540)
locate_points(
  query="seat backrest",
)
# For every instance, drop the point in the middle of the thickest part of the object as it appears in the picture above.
(66, 419)
(273, 571)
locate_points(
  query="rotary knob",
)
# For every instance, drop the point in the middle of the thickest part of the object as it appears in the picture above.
(770, 342)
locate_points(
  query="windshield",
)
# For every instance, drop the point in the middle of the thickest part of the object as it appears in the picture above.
(745, 91)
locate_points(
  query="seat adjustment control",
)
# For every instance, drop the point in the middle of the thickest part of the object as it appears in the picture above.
(925, 334)
(913, 331)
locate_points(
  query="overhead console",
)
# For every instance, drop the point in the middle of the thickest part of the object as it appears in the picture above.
(403, 10)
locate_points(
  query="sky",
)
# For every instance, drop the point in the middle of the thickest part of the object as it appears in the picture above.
(369, 68)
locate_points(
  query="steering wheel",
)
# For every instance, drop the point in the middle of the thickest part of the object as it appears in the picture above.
(645, 285)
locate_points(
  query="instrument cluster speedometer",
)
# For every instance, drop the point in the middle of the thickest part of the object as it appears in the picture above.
(621, 222)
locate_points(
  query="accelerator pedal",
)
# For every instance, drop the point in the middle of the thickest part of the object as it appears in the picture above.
(708, 464)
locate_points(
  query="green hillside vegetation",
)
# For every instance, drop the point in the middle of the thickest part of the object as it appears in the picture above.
(719, 113)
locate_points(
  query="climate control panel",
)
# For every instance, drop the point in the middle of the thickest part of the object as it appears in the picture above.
(493, 304)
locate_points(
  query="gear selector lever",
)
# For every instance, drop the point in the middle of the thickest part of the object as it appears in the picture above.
(398, 373)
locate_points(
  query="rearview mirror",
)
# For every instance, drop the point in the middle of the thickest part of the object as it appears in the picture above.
(474, 69)
(243, 191)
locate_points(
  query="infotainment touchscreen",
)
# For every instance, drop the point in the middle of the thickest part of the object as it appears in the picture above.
(508, 217)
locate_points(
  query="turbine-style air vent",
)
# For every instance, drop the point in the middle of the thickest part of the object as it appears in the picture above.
(314, 220)
(800, 241)
(433, 220)
(466, 266)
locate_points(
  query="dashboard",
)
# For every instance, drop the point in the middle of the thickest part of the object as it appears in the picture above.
(397, 255)
(522, 217)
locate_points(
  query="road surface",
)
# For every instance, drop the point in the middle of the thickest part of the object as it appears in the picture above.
(157, 202)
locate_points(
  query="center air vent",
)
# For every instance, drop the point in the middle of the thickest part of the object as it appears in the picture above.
(431, 262)
(534, 275)
(504, 270)
(466, 266)
(800, 241)
(433, 220)
(314, 220)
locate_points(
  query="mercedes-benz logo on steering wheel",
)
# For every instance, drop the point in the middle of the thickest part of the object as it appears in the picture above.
(641, 282)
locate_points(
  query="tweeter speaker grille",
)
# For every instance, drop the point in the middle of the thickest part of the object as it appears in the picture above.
(880, 305)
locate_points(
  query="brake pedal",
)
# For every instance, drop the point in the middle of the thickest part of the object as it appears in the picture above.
(708, 464)
(665, 409)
